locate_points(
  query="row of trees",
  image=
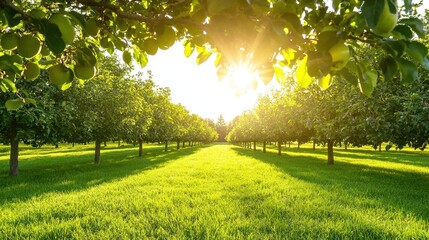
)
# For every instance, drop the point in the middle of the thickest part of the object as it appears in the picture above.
(115, 105)
(397, 114)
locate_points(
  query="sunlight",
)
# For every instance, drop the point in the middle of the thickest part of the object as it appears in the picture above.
(242, 79)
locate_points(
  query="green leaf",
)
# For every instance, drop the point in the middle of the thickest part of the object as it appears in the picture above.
(218, 59)
(280, 74)
(404, 30)
(52, 34)
(395, 48)
(318, 64)
(30, 101)
(417, 50)
(325, 82)
(416, 24)
(367, 80)
(389, 67)
(301, 76)
(408, 5)
(140, 57)
(409, 71)
(10, 85)
(216, 7)
(203, 56)
(189, 49)
(14, 104)
(77, 18)
(128, 59)
(372, 10)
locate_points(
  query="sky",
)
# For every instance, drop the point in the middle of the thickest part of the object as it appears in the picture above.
(197, 87)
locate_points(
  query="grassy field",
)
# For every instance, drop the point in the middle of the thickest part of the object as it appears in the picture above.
(214, 192)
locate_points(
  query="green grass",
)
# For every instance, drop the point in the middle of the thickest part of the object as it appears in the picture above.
(215, 192)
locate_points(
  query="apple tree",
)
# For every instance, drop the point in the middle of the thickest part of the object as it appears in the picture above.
(316, 38)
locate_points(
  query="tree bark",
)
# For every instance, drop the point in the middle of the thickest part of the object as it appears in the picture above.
(264, 150)
(314, 145)
(140, 147)
(299, 144)
(178, 145)
(379, 147)
(119, 142)
(166, 146)
(183, 144)
(279, 145)
(254, 146)
(346, 145)
(97, 151)
(330, 152)
(13, 162)
(105, 143)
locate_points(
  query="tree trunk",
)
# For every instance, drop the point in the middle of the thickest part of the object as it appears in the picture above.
(264, 147)
(178, 145)
(73, 144)
(183, 144)
(119, 142)
(97, 151)
(13, 162)
(105, 143)
(254, 146)
(345, 145)
(140, 147)
(166, 146)
(314, 145)
(279, 148)
(330, 152)
(289, 144)
(299, 144)
(379, 147)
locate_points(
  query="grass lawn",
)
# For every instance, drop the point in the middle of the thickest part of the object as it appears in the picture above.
(214, 192)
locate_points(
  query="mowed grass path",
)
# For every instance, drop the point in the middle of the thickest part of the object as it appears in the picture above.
(215, 192)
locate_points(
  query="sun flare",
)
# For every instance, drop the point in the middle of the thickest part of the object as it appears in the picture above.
(242, 79)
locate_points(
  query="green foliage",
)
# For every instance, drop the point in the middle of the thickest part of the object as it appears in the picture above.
(219, 191)
(258, 33)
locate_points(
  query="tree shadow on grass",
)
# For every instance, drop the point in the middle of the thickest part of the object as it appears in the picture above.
(404, 191)
(47, 174)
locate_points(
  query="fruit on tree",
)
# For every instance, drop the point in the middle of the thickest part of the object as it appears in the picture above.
(387, 20)
(340, 54)
(92, 27)
(9, 41)
(150, 46)
(84, 72)
(28, 46)
(32, 71)
(60, 74)
(66, 28)
(167, 38)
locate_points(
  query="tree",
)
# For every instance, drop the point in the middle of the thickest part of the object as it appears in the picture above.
(221, 129)
(33, 124)
(315, 39)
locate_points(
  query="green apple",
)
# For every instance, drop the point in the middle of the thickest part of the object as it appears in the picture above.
(28, 46)
(84, 72)
(9, 41)
(60, 75)
(92, 27)
(32, 71)
(150, 46)
(167, 38)
(340, 54)
(66, 28)
(386, 21)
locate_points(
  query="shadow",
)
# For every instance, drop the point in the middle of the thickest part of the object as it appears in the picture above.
(404, 191)
(42, 175)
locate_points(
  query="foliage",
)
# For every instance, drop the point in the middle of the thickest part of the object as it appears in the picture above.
(266, 35)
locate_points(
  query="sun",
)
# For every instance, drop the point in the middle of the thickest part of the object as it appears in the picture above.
(242, 79)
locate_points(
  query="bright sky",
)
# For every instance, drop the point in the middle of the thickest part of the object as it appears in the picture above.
(197, 87)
